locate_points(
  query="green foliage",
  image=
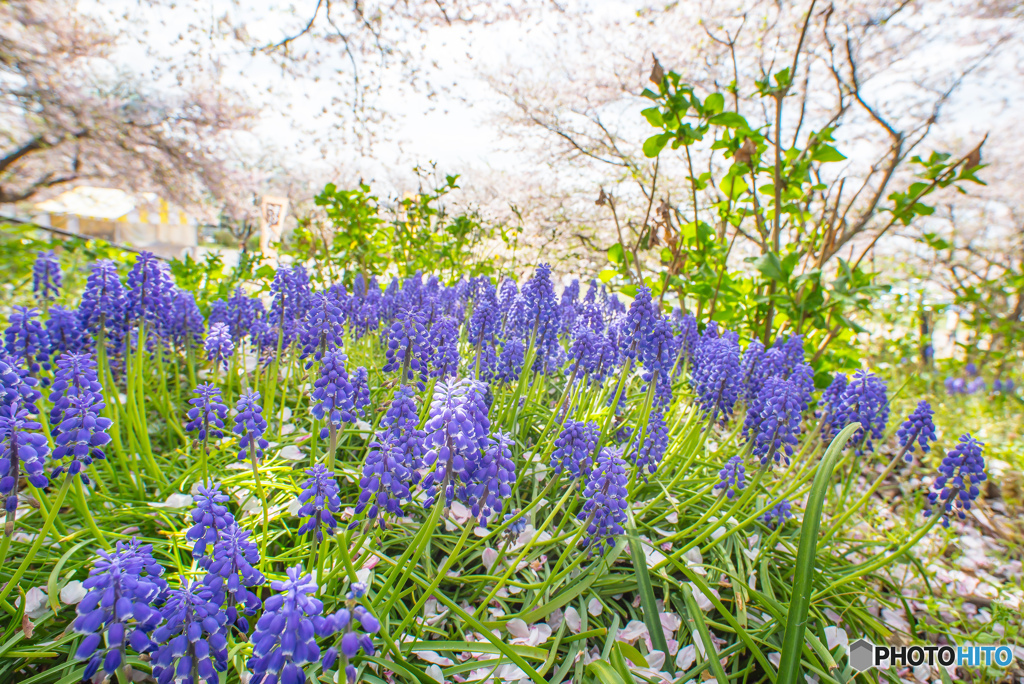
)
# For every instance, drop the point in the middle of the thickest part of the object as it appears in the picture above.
(778, 202)
(415, 233)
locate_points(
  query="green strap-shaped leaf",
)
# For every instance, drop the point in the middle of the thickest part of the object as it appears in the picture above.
(796, 621)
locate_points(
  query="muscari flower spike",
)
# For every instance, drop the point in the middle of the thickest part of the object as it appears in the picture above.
(491, 479)
(320, 502)
(285, 637)
(104, 305)
(183, 326)
(208, 413)
(219, 346)
(23, 450)
(356, 624)
(574, 449)
(210, 517)
(250, 427)
(121, 590)
(150, 290)
(917, 430)
(16, 385)
(408, 350)
(510, 361)
(732, 477)
(604, 507)
(231, 571)
(864, 401)
(192, 644)
(516, 524)
(647, 455)
(360, 388)
(324, 328)
(456, 435)
(778, 429)
(78, 428)
(26, 339)
(956, 486)
(716, 374)
(65, 331)
(444, 346)
(333, 393)
(46, 276)
(778, 515)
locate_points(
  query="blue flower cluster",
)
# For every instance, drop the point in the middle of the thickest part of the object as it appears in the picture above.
(250, 425)
(23, 448)
(320, 502)
(605, 502)
(917, 430)
(956, 485)
(46, 276)
(208, 413)
(78, 429)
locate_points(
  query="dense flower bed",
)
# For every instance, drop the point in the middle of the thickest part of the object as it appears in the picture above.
(472, 481)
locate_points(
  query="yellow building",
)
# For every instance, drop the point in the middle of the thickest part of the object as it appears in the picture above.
(144, 221)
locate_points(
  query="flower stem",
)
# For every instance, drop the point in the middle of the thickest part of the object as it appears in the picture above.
(38, 543)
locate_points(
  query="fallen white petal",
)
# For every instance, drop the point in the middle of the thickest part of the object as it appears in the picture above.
(434, 657)
(518, 628)
(434, 672)
(72, 593)
(594, 607)
(686, 657)
(489, 557)
(291, 453)
(836, 636)
(572, 619)
(175, 500)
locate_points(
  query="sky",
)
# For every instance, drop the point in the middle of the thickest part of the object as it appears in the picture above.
(439, 107)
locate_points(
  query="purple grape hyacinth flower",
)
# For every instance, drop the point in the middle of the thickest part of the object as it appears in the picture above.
(17, 385)
(209, 518)
(26, 339)
(121, 590)
(46, 276)
(250, 427)
(78, 428)
(777, 431)
(510, 361)
(65, 332)
(865, 401)
(491, 479)
(150, 290)
(333, 393)
(647, 456)
(320, 501)
(356, 624)
(639, 322)
(392, 460)
(104, 306)
(193, 638)
(716, 375)
(777, 516)
(456, 435)
(23, 450)
(285, 637)
(324, 328)
(444, 346)
(917, 430)
(732, 477)
(956, 486)
(183, 326)
(574, 449)
(219, 346)
(408, 350)
(230, 570)
(208, 413)
(604, 508)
